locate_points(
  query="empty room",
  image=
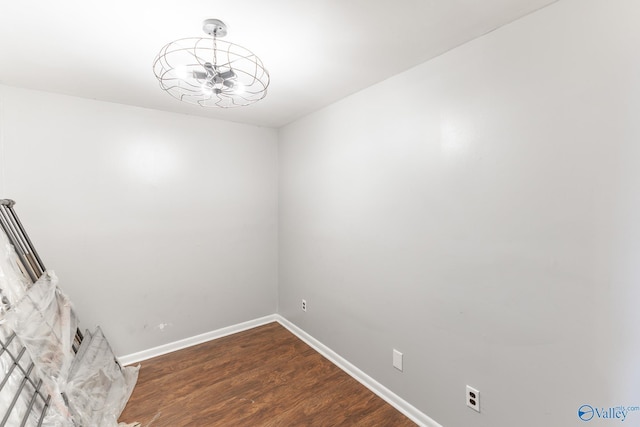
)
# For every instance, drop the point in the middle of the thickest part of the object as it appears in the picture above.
(328, 213)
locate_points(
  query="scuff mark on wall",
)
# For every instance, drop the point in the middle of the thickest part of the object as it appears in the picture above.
(161, 326)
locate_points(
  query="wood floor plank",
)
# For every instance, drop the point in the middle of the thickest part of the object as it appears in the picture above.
(265, 376)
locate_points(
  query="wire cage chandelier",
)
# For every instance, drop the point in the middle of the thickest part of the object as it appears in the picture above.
(210, 72)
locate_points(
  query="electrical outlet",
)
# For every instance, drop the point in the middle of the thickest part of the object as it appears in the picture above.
(304, 305)
(473, 398)
(397, 359)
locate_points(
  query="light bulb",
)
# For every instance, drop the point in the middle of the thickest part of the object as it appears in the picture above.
(239, 88)
(182, 72)
(206, 89)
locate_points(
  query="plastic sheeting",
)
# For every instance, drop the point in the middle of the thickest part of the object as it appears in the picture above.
(24, 396)
(14, 362)
(43, 322)
(88, 389)
(98, 388)
(13, 282)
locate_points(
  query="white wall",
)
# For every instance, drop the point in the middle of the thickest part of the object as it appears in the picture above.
(160, 226)
(480, 213)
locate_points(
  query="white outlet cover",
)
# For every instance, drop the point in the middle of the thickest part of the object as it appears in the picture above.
(473, 398)
(397, 359)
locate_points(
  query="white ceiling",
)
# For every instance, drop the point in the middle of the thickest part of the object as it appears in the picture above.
(317, 52)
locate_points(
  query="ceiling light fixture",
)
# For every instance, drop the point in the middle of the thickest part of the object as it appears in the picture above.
(210, 72)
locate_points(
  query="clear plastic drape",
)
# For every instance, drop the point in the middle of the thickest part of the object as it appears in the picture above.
(42, 380)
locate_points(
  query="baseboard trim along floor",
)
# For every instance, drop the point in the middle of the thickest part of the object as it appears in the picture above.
(198, 339)
(387, 395)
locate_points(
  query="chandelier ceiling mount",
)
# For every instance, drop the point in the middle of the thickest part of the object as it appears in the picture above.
(214, 27)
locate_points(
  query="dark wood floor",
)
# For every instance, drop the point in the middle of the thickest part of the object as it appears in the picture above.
(265, 376)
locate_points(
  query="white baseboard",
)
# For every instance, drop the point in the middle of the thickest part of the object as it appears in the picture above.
(198, 339)
(387, 395)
